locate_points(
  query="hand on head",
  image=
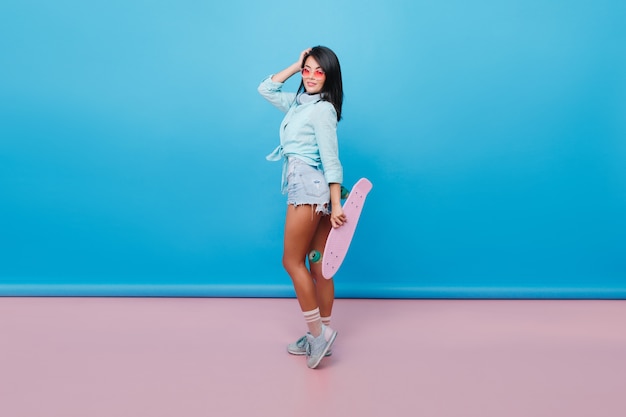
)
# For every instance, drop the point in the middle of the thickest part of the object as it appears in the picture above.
(303, 55)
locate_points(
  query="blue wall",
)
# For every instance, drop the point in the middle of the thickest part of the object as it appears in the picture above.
(132, 145)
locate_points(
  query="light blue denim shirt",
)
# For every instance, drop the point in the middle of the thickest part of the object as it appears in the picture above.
(308, 132)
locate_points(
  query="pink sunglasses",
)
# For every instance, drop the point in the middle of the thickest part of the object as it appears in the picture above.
(318, 73)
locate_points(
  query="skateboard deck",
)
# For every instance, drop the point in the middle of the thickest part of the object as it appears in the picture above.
(339, 239)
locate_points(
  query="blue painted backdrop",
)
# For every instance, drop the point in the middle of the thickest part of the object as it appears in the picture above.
(132, 144)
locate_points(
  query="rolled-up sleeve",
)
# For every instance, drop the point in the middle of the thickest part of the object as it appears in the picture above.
(325, 124)
(272, 92)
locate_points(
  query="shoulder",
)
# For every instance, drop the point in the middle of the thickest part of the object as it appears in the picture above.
(325, 108)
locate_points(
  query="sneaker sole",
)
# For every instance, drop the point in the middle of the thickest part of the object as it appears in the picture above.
(323, 355)
(301, 353)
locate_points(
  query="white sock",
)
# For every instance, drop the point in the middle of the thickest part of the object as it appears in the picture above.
(326, 321)
(313, 321)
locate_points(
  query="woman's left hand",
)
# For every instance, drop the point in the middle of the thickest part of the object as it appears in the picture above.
(337, 217)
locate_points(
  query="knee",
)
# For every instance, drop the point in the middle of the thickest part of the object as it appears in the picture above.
(321, 281)
(291, 265)
(316, 273)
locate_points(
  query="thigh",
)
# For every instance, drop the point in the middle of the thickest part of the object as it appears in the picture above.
(300, 227)
(321, 234)
(319, 242)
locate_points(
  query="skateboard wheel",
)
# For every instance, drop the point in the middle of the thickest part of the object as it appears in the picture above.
(344, 192)
(315, 256)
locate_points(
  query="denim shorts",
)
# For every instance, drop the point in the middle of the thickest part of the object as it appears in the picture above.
(307, 185)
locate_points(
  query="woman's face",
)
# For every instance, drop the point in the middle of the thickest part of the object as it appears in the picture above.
(313, 76)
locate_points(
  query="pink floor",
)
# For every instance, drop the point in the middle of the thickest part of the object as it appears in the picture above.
(117, 357)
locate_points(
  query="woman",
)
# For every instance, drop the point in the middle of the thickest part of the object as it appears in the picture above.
(312, 176)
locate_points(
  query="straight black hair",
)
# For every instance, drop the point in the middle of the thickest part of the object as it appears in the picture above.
(333, 86)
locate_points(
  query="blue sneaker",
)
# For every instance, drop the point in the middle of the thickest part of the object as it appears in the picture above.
(317, 347)
(299, 347)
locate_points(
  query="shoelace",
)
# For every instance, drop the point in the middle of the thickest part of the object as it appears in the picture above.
(302, 341)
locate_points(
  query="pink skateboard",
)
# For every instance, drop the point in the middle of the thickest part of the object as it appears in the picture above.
(339, 239)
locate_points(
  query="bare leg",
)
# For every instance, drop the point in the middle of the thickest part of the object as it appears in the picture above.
(325, 288)
(300, 227)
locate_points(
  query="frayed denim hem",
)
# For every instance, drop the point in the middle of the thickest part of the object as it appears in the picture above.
(315, 208)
